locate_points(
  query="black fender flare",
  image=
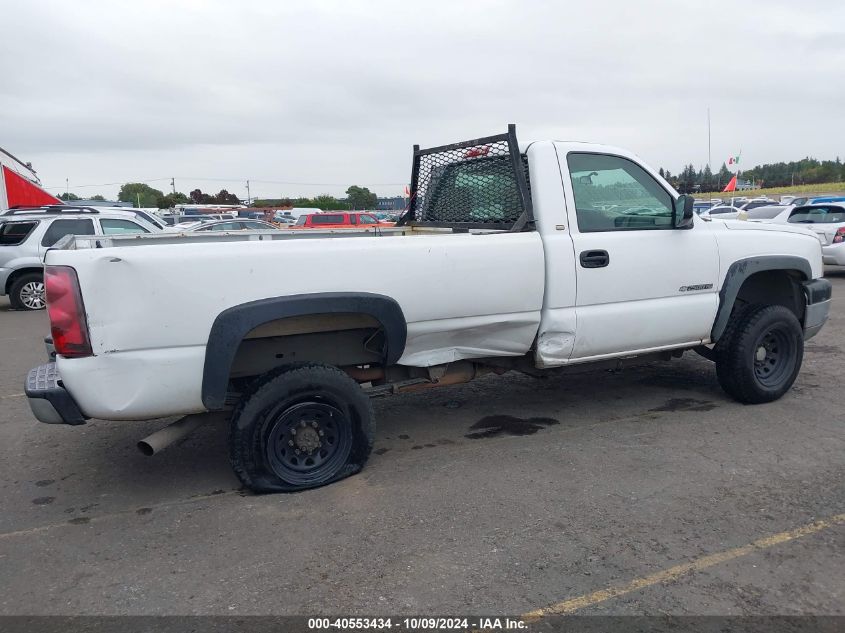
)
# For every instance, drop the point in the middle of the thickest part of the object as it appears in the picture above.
(741, 270)
(231, 325)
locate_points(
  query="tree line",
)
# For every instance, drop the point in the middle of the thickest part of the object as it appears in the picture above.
(357, 198)
(807, 171)
(141, 194)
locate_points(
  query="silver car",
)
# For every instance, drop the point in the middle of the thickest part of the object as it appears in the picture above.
(26, 234)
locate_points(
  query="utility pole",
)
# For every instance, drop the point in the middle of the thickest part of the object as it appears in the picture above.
(247, 193)
(709, 163)
(67, 189)
(173, 184)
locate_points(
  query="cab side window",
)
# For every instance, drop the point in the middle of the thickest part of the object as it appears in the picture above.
(615, 194)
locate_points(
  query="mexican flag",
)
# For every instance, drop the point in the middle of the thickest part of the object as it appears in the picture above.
(734, 160)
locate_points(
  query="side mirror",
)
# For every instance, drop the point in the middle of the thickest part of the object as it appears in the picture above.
(683, 212)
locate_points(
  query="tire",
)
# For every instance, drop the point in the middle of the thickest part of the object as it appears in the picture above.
(301, 427)
(27, 292)
(760, 353)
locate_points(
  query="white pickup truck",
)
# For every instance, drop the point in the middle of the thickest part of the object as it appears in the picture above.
(532, 259)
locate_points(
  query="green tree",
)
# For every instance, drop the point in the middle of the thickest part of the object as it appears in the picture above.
(98, 197)
(139, 194)
(724, 177)
(172, 199)
(68, 196)
(361, 197)
(224, 197)
(706, 181)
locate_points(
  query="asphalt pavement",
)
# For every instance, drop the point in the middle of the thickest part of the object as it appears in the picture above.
(646, 491)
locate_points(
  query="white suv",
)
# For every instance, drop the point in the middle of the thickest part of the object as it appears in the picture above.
(26, 234)
(827, 221)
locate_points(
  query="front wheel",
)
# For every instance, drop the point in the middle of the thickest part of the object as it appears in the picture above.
(760, 354)
(301, 427)
(27, 292)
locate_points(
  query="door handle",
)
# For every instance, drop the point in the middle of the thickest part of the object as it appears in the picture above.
(594, 259)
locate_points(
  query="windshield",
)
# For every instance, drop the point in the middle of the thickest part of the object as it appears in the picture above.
(149, 218)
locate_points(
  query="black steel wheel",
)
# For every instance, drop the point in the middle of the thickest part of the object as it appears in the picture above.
(307, 441)
(759, 355)
(774, 354)
(300, 427)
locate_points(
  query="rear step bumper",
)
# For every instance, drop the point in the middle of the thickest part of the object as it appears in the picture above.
(49, 400)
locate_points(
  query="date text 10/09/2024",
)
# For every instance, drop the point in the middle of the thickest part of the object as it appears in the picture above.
(418, 624)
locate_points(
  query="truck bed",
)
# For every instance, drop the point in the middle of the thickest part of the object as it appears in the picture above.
(150, 310)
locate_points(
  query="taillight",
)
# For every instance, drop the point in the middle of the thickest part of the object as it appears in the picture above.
(67, 313)
(840, 235)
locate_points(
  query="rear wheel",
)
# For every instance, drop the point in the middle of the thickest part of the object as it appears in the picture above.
(759, 355)
(27, 292)
(301, 427)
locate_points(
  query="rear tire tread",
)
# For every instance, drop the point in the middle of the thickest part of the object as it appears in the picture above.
(252, 472)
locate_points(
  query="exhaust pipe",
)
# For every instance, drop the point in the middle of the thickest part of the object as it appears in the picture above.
(161, 439)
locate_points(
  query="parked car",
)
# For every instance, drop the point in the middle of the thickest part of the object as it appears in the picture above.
(827, 200)
(232, 225)
(26, 235)
(181, 221)
(487, 260)
(757, 202)
(700, 206)
(828, 223)
(771, 214)
(339, 220)
(296, 212)
(793, 200)
(149, 218)
(721, 212)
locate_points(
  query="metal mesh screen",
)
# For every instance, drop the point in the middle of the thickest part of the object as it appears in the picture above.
(473, 184)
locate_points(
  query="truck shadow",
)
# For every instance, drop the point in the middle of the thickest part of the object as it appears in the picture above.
(513, 405)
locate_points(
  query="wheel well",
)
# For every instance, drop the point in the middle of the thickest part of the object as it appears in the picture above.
(769, 279)
(333, 339)
(18, 273)
(332, 327)
(773, 287)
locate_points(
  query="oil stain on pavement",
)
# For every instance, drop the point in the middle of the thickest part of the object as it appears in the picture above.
(496, 425)
(686, 404)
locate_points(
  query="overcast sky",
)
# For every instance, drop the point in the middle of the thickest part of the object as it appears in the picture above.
(336, 93)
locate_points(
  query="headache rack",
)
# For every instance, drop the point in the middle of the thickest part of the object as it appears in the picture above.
(477, 184)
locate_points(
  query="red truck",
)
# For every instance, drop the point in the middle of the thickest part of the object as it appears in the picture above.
(339, 220)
